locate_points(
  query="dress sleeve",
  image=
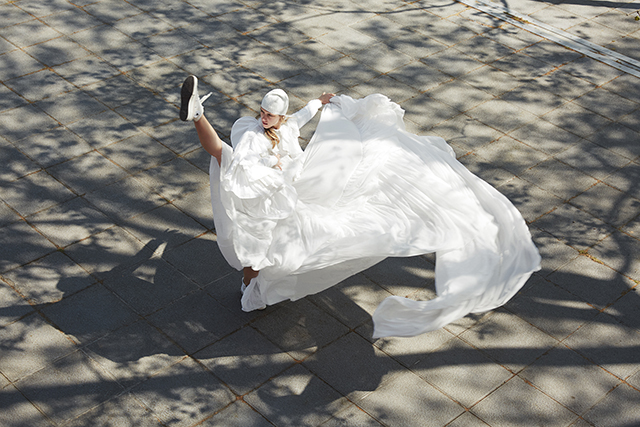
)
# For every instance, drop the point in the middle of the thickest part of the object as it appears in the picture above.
(302, 116)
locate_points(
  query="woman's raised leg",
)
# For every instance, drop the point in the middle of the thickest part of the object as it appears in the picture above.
(209, 138)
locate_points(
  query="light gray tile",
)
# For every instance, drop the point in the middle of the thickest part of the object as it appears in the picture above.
(539, 408)
(183, 394)
(408, 400)
(31, 344)
(609, 344)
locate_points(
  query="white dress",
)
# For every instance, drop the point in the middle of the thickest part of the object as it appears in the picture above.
(365, 189)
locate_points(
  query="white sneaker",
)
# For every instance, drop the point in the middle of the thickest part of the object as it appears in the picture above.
(191, 105)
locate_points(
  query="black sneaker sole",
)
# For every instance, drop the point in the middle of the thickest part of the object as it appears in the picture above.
(185, 94)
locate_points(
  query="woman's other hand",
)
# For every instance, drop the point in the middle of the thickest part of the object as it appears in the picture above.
(326, 97)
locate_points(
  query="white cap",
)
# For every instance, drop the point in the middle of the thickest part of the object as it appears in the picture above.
(276, 102)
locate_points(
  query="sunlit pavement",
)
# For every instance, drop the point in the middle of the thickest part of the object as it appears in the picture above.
(117, 309)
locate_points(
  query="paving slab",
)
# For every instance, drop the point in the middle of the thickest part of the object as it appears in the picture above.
(118, 308)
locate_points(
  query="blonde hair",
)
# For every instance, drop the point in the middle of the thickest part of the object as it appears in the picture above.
(271, 132)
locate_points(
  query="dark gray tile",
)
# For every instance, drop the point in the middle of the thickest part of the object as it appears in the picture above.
(619, 139)
(89, 314)
(460, 95)
(558, 178)
(618, 251)
(529, 199)
(49, 279)
(149, 286)
(13, 306)
(108, 251)
(174, 179)
(71, 107)
(352, 366)
(104, 128)
(57, 51)
(22, 244)
(591, 70)
(423, 106)
(608, 204)
(86, 70)
(134, 353)
(29, 33)
(574, 227)
(300, 328)
(200, 260)
(244, 360)
(111, 11)
(54, 146)
(17, 411)
(551, 308)
(616, 405)
(545, 136)
(609, 344)
(238, 414)
(461, 371)
(167, 223)
(502, 115)
(564, 84)
(34, 192)
(117, 91)
(10, 99)
(555, 374)
(29, 345)
(171, 43)
(70, 222)
(71, 20)
(593, 282)
(22, 122)
(137, 153)
(39, 85)
(593, 159)
(553, 251)
(607, 104)
(196, 321)
(15, 163)
(627, 309)
(73, 172)
(123, 409)
(295, 398)
(511, 155)
(626, 179)
(69, 387)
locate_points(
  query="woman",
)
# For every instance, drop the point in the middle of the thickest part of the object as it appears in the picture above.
(298, 222)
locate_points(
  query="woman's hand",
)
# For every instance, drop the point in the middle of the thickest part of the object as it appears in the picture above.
(326, 97)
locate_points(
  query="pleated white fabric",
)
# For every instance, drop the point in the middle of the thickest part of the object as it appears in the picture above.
(365, 189)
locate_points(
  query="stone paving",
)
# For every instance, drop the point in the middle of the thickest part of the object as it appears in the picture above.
(117, 309)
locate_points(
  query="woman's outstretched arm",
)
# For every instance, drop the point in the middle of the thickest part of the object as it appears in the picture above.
(209, 138)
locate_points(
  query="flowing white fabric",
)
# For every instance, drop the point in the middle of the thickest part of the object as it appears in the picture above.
(365, 189)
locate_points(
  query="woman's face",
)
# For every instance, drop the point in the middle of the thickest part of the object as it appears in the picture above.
(269, 120)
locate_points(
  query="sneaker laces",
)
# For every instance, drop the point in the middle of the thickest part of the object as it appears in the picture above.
(204, 98)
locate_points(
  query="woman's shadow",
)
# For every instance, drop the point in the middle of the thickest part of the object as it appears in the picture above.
(137, 319)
